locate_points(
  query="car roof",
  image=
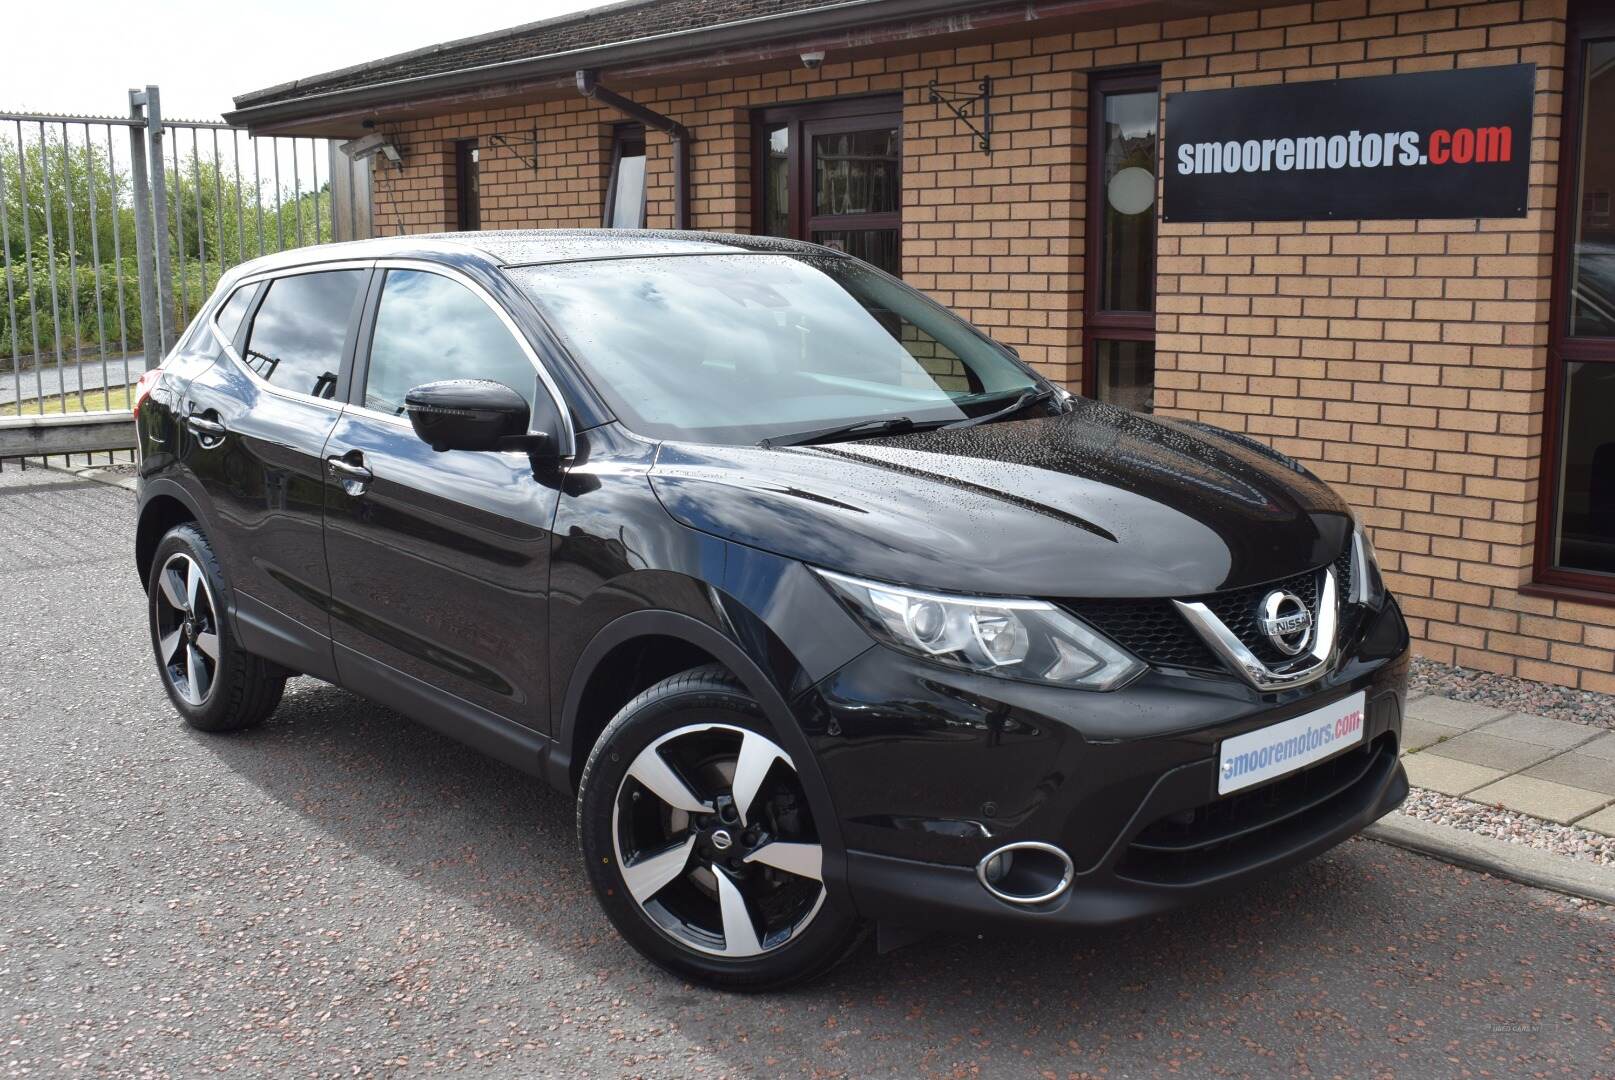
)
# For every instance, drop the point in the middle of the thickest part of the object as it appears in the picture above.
(528, 247)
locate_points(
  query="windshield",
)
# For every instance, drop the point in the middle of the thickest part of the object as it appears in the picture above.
(736, 348)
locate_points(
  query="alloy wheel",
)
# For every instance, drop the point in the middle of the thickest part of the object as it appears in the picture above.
(187, 628)
(715, 842)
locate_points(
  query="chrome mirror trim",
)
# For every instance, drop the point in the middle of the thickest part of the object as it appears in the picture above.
(1233, 652)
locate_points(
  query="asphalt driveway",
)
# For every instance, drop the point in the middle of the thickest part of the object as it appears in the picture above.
(344, 892)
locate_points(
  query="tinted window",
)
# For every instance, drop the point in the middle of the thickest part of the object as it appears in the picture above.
(429, 327)
(733, 348)
(297, 335)
(1592, 262)
(234, 310)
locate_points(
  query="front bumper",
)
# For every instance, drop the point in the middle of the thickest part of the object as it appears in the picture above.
(931, 770)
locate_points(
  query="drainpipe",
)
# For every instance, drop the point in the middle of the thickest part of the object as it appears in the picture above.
(589, 86)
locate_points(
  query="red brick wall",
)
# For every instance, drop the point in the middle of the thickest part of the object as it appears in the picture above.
(1402, 361)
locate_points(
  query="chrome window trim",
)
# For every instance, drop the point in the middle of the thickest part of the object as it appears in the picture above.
(568, 447)
(1233, 652)
(271, 275)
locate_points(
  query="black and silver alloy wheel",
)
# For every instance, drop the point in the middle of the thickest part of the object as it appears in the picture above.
(701, 843)
(187, 627)
(214, 684)
(724, 861)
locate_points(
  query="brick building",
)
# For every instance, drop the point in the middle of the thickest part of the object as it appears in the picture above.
(1454, 378)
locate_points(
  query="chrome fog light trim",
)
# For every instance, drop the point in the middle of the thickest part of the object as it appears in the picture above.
(994, 870)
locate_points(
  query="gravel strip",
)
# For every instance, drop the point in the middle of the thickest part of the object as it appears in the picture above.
(1516, 695)
(1501, 824)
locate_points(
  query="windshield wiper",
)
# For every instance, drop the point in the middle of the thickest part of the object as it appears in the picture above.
(1030, 397)
(860, 429)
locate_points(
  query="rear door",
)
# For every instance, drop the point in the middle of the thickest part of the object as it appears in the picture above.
(255, 425)
(439, 561)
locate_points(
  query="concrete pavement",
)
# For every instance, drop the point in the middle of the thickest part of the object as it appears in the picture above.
(344, 891)
(1551, 769)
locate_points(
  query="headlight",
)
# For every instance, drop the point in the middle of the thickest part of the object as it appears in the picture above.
(1013, 639)
(1367, 586)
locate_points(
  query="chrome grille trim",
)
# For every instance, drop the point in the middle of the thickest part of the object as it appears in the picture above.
(1240, 659)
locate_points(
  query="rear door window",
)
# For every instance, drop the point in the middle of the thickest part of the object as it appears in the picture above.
(298, 333)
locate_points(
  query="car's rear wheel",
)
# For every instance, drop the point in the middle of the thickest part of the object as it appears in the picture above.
(214, 684)
(700, 842)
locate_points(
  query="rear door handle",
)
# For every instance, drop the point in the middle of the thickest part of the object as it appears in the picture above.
(351, 472)
(209, 431)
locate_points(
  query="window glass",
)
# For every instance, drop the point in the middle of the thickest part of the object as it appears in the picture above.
(234, 310)
(428, 328)
(736, 348)
(1127, 240)
(855, 172)
(468, 170)
(298, 333)
(627, 210)
(777, 181)
(1592, 273)
(1126, 374)
(1586, 503)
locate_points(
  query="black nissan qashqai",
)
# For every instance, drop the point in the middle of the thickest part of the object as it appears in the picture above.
(832, 612)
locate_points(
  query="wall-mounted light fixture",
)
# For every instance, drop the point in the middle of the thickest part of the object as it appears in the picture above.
(369, 146)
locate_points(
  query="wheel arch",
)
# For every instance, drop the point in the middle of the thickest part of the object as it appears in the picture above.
(165, 504)
(696, 639)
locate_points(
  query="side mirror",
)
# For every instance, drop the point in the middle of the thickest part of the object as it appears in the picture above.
(469, 414)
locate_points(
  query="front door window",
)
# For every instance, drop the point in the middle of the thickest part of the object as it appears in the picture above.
(831, 173)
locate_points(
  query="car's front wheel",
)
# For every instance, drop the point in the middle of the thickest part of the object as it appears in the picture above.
(215, 685)
(700, 843)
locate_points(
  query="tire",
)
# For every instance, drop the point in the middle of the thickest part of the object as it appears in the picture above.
(652, 849)
(213, 683)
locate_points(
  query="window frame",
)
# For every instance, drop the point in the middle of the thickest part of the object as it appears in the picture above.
(1098, 324)
(350, 333)
(360, 366)
(622, 135)
(467, 201)
(1564, 348)
(821, 118)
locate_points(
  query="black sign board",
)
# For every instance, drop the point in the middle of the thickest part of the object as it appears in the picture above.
(1437, 144)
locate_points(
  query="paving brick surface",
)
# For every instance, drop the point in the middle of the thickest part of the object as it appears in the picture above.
(1446, 775)
(1541, 798)
(1418, 734)
(1602, 747)
(1542, 731)
(1578, 770)
(1601, 822)
(1450, 713)
(1483, 748)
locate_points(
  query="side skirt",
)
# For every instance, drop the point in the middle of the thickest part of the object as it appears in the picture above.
(455, 717)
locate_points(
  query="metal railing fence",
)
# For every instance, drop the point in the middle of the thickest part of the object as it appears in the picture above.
(113, 231)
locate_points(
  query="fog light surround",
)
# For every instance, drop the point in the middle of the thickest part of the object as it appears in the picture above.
(1026, 873)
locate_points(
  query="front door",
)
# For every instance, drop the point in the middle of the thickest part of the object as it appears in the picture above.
(831, 173)
(439, 561)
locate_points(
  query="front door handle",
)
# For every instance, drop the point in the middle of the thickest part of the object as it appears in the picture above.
(350, 471)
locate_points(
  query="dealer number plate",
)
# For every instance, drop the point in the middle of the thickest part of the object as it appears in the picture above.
(1289, 745)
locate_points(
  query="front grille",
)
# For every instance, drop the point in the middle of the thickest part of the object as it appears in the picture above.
(1154, 631)
(1232, 832)
(1151, 630)
(1238, 609)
